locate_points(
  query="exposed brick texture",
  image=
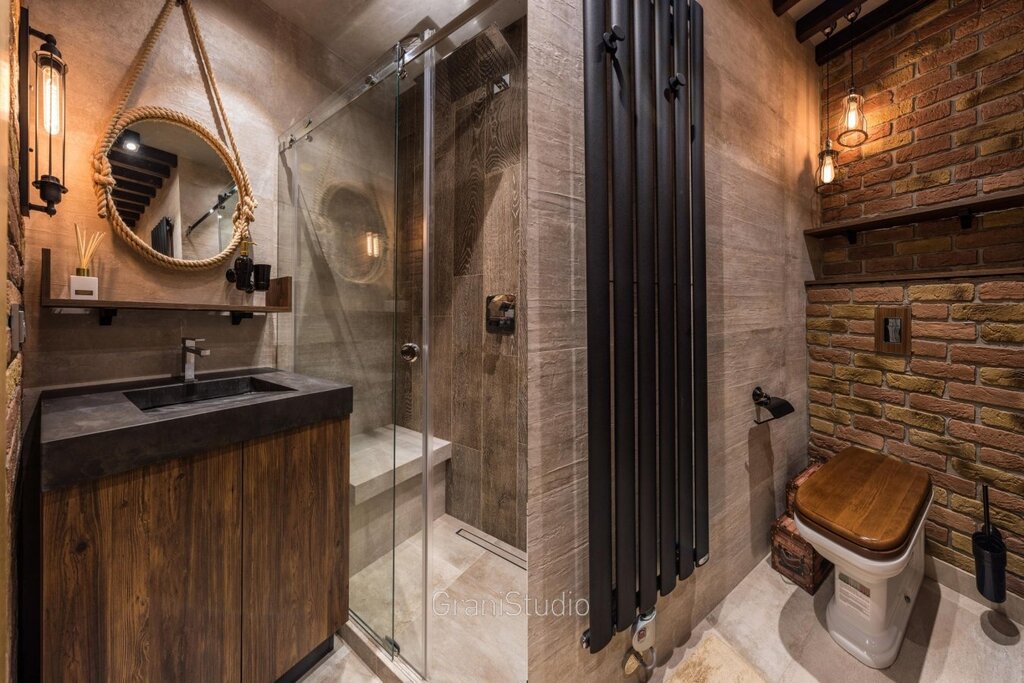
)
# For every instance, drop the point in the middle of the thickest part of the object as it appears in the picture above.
(994, 240)
(954, 406)
(944, 100)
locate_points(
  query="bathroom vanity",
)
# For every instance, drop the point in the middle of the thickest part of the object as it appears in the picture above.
(192, 532)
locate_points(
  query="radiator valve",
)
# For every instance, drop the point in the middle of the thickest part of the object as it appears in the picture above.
(641, 656)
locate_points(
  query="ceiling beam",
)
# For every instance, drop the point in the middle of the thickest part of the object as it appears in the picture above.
(131, 207)
(780, 7)
(127, 159)
(129, 196)
(137, 176)
(822, 16)
(868, 25)
(154, 154)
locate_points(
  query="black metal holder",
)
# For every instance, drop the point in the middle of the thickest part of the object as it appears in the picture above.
(777, 407)
(989, 557)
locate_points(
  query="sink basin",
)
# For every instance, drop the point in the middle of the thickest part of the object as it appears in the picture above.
(204, 390)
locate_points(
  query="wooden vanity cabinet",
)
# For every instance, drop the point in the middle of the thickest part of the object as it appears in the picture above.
(229, 565)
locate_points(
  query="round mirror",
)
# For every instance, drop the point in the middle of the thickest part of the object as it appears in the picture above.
(172, 190)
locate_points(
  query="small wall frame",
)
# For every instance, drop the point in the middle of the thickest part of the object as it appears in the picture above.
(892, 330)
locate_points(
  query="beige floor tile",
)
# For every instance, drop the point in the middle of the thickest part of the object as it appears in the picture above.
(341, 666)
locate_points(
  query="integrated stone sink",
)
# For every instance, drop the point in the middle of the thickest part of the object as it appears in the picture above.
(203, 390)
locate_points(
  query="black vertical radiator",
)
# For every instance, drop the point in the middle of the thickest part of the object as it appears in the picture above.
(646, 305)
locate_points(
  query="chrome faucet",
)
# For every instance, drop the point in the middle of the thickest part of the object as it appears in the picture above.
(189, 351)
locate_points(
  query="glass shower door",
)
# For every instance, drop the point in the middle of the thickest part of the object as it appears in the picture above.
(336, 213)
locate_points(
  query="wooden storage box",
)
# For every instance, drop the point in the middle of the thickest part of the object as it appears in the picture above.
(794, 558)
(795, 483)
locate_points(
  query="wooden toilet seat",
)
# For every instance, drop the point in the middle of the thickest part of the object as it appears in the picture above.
(865, 501)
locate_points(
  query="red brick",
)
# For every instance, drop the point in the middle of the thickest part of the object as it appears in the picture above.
(1006, 105)
(816, 367)
(947, 125)
(930, 311)
(953, 520)
(991, 356)
(923, 116)
(996, 397)
(985, 238)
(923, 149)
(954, 483)
(849, 342)
(947, 90)
(920, 347)
(880, 427)
(874, 163)
(946, 55)
(879, 294)
(946, 330)
(917, 455)
(887, 205)
(947, 259)
(887, 265)
(948, 193)
(942, 406)
(869, 252)
(1001, 290)
(820, 396)
(991, 165)
(858, 436)
(991, 55)
(861, 326)
(1004, 253)
(923, 83)
(887, 235)
(840, 268)
(946, 370)
(887, 175)
(1007, 461)
(1003, 181)
(816, 295)
(817, 310)
(1001, 70)
(893, 396)
(989, 436)
(943, 159)
(939, 534)
(1005, 29)
(830, 355)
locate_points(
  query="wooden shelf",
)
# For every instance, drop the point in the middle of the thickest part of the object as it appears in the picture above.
(279, 300)
(964, 208)
(915, 275)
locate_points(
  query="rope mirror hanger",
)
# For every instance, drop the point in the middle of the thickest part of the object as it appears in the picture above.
(103, 179)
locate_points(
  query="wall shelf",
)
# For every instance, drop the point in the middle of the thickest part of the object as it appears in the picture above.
(279, 300)
(965, 209)
(916, 275)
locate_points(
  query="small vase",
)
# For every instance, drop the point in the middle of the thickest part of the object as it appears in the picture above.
(84, 286)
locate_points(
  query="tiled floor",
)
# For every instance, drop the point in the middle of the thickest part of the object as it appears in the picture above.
(779, 629)
(477, 636)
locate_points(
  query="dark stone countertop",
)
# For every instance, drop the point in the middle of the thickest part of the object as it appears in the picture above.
(92, 432)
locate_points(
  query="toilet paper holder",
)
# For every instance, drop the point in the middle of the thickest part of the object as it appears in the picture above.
(777, 407)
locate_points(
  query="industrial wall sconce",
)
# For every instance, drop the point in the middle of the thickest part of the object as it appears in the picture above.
(827, 176)
(854, 132)
(49, 105)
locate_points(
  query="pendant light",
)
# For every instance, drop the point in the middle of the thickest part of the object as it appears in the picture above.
(828, 159)
(854, 131)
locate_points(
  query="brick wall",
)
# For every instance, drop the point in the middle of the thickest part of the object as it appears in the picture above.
(996, 240)
(954, 407)
(944, 93)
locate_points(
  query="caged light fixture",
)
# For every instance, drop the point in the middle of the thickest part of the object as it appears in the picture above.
(828, 158)
(854, 132)
(49, 104)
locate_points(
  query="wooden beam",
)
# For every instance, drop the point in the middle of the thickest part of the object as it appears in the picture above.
(780, 7)
(126, 195)
(136, 175)
(129, 216)
(131, 207)
(137, 188)
(152, 167)
(868, 25)
(159, 155)
(822, 16)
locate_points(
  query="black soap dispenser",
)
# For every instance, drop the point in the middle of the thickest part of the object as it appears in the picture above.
(241, 274)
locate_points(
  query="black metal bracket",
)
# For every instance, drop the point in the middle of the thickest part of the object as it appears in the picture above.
(966, 220)
(238, 316)
(851, 236)
(107, 316)
(612, 38)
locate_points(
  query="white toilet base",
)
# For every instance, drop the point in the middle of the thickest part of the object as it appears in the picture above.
(870, 607)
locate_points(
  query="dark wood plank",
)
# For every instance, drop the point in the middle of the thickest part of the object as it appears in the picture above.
(142, 574)
(780, 7)
(134, 187)
(135, 175)
(295, 521)
(822, 16)
(964, 207)
(868, 25)
(132, 161)
(917, 275)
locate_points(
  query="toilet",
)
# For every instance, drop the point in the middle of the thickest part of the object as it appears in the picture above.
(865, 511)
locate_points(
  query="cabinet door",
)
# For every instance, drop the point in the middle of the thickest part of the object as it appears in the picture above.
(294, 544)
(142, 574)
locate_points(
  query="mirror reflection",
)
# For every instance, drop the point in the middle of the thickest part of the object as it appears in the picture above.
(173, 190)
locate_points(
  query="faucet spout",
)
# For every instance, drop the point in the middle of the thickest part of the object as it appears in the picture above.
(189, 351)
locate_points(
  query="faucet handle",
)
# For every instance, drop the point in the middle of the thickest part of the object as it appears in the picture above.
(191, 341)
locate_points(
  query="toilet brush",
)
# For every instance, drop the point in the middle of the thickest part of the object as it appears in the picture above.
(989, 557)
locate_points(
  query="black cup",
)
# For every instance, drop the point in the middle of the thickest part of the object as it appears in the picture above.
(261, 277)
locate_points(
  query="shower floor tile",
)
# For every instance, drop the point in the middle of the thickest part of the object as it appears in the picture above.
(779, 629)
(479, 617)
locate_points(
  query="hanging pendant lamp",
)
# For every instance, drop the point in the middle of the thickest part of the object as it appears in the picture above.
(854, 130)
(827, 176)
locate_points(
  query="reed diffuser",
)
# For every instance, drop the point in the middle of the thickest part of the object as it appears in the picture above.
(84, 285)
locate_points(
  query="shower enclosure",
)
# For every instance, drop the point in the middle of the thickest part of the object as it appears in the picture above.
(400, 202)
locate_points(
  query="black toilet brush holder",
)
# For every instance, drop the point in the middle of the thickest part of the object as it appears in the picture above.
(989, 558)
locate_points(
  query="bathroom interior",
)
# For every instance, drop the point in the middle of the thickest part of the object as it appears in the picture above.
(507, 340)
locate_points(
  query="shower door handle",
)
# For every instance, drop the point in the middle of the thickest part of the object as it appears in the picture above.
(410, 352)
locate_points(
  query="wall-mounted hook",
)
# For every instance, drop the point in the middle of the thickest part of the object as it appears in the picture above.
(612, 38)
(966, 220)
